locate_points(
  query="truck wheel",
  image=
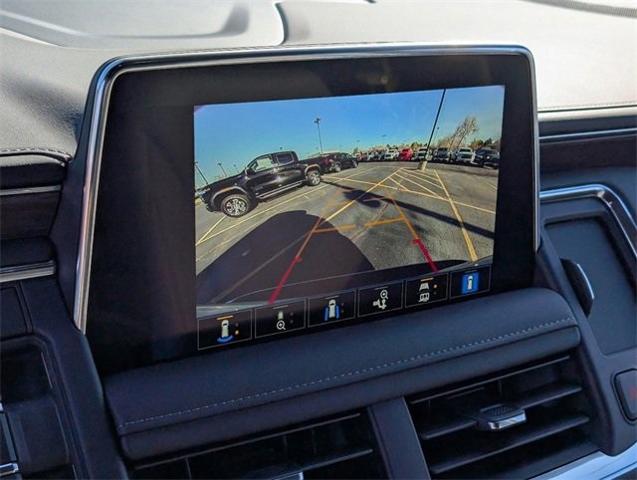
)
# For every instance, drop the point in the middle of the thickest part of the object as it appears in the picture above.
(236, 205)
(313, 178)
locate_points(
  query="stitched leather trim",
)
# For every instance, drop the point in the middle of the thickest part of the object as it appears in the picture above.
(59, 155)
(351, 374)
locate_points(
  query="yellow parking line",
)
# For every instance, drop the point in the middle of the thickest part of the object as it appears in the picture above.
(203, 237)
(420, 173)
(266, 210)
(351, 202)
(472, 251)
(418, 185)
(486, 210)
(414, 175)
(422, 194)
(335, 229)
(384, 222)
(363, 182)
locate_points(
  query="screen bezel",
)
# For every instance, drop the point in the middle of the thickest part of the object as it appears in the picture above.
(131, 84)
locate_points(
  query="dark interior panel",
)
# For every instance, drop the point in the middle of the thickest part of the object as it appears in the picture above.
(607, 258)
(612, 315)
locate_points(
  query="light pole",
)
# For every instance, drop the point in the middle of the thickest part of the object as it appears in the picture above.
(317, 120)
(434, 129)
(225, 174)
(201, 173)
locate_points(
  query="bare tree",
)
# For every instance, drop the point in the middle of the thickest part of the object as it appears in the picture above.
(467, 127)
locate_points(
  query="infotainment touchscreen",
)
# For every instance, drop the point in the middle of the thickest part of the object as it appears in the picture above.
(319, 211)
(252, 198)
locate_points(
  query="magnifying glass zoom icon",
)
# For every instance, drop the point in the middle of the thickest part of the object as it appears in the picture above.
(280, 325)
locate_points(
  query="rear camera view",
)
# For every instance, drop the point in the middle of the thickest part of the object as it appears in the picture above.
(315, 211)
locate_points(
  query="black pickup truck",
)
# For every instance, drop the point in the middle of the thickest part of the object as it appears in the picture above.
(264, 177)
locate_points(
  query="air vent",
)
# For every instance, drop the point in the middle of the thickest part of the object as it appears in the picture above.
(517, 424)
(342, 447)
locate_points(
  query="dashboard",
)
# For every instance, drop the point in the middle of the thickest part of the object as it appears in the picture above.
(313, 258)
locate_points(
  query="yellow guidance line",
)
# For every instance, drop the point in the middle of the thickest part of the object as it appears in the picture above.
(472, 251)
(203, 237)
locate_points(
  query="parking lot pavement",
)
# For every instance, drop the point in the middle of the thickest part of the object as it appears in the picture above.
(377, 216)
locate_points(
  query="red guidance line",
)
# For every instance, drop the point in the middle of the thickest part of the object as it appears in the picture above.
(297, 258)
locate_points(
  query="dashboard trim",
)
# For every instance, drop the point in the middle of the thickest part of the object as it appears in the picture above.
(608, 197)
(25, 272)
(107, 75)
(30, 190)
(595, 465)
(593, 134)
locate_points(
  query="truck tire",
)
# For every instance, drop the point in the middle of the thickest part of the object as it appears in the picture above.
(235, 205)
(313, 177)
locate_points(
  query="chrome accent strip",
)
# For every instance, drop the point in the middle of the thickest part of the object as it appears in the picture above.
(596, 465)
(110, 71)
(563, 137)
(9, 469)
(30, 190)
(24, 272)
(581, 113)
(606, 195)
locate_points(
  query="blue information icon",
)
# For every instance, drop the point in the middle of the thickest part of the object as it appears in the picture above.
(470, 283)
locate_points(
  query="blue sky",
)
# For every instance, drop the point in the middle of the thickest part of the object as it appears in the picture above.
(235, 133)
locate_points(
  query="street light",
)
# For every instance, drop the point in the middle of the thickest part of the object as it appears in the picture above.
(317, 120)
(225, 174)
(201, 173)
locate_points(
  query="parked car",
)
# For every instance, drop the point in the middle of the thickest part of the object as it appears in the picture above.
(332, 161)
(391, 154)
(375, 156)
(441, 154)
(406, 155)
(344, 160)
(487, 156)
(265, 176)
(421, 154)
(463, 155)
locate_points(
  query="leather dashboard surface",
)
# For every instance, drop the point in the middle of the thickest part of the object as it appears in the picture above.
(149, 400)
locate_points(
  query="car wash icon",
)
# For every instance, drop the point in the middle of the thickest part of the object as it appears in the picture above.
(381, 302)
(424, 295)
(332, 311)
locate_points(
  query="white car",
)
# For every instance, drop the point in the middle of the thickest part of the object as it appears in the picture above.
(391, 155)
(464, 155)
(421, 154)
